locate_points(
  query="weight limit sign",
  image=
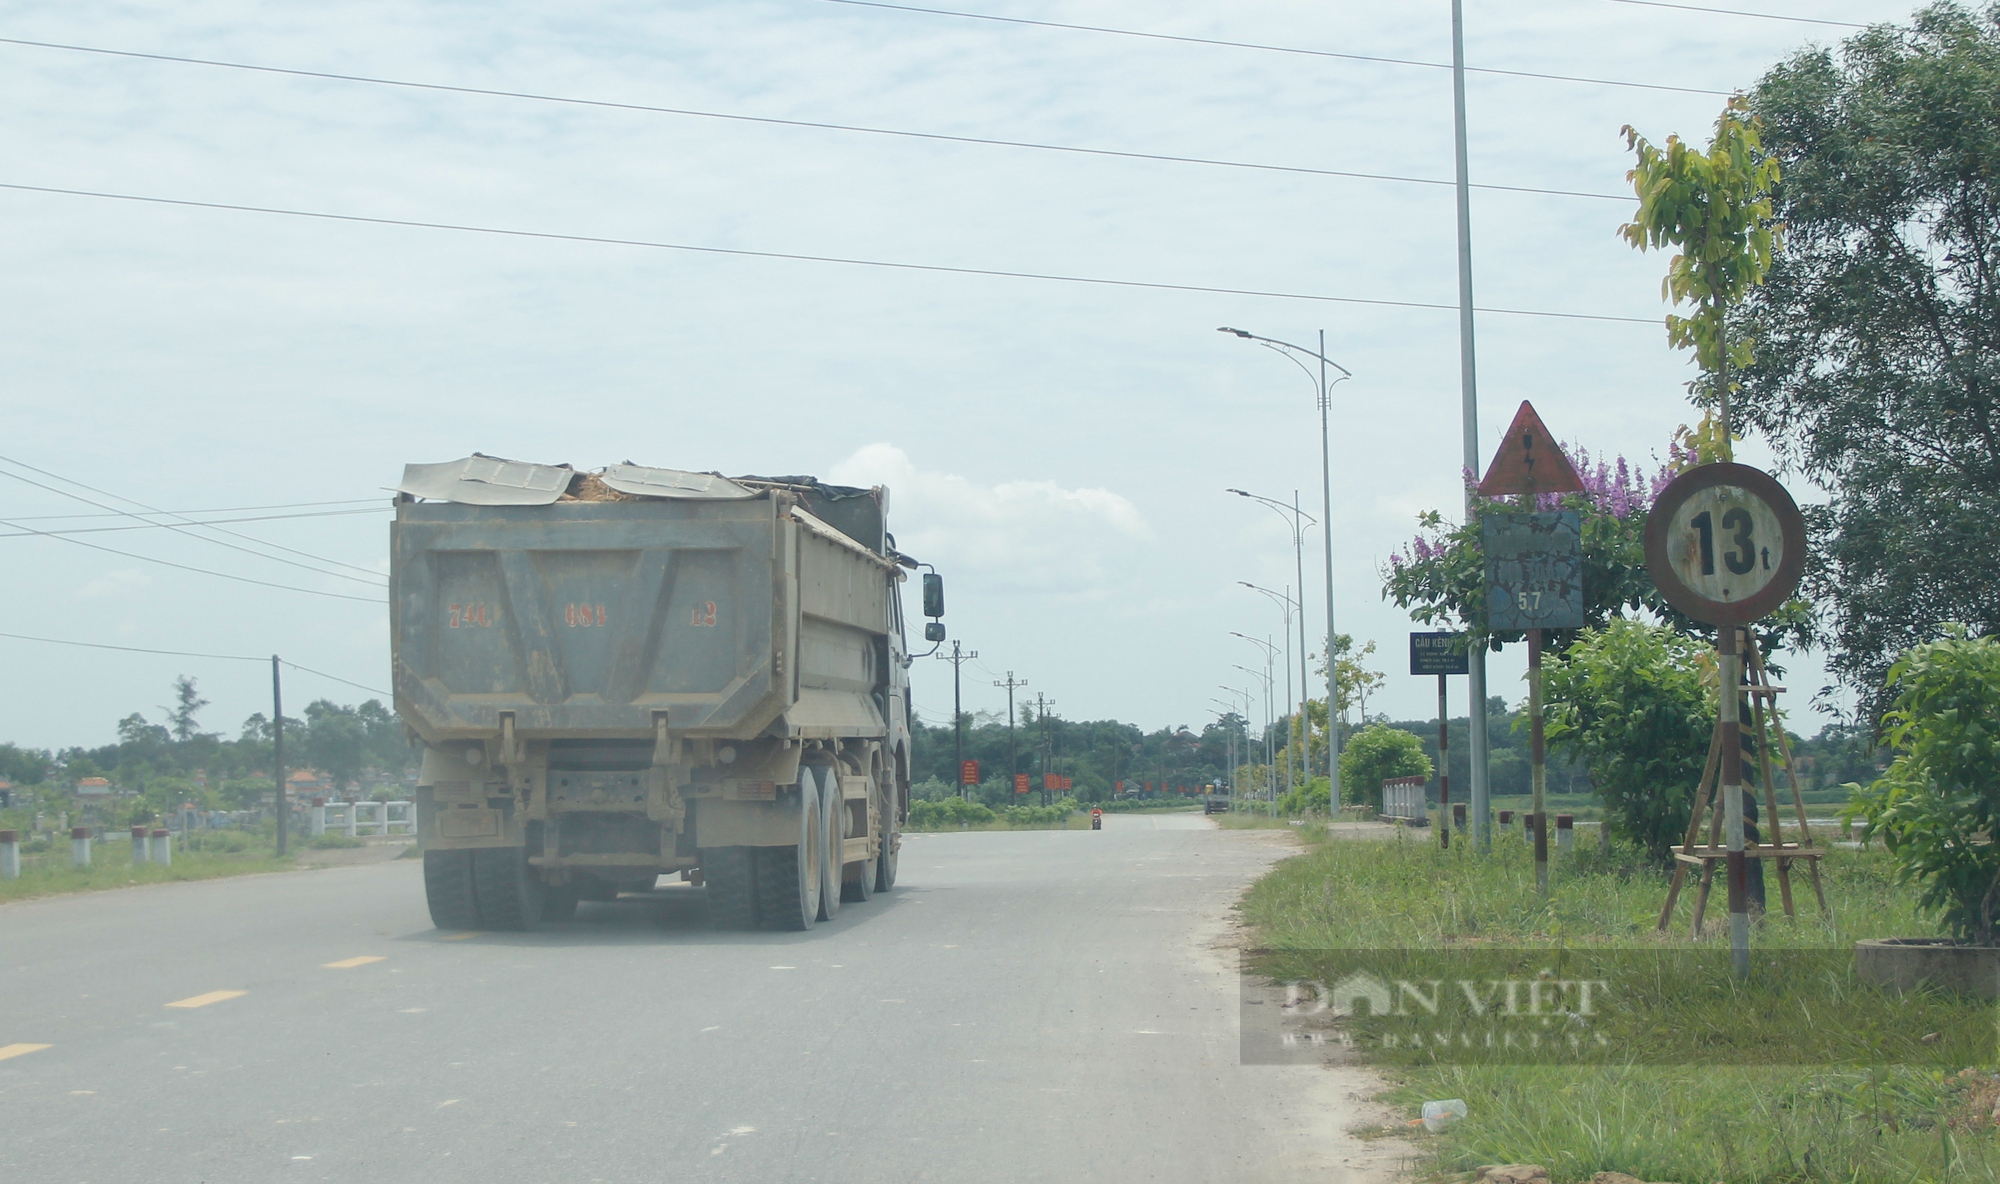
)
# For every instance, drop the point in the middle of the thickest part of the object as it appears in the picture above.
(1725, 543)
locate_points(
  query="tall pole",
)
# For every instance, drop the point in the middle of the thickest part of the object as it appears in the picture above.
(1538, 757)
(1305, 696)
(1326, 537)
(957, 658)
(278, 748)
(1444, 767)
(1730, 745)
(1468, 386)
(1013, 757)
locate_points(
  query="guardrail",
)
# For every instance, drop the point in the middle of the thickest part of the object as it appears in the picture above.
(355, 819)
(1403, 801)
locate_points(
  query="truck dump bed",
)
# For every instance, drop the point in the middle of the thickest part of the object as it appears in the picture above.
(729, 607)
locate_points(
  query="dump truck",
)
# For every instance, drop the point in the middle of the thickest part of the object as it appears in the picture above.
(620, 674)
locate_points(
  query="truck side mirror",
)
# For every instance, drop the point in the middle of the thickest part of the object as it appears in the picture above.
(933, 597)
(934, 631)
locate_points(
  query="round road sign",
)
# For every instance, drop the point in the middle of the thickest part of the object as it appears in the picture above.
(1725, 543)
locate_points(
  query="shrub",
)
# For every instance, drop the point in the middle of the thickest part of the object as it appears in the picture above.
(1376, 754)
(1629, 702)
(330, 840)
(947, 813)
(1937, 807)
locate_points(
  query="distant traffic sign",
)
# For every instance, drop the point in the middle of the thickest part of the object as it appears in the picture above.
(1726, 543)
(1534, 571)
(1438, 653)
(968, 772)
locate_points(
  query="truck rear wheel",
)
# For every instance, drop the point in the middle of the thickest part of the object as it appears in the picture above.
(729, 876)
(510, 896)
(789, 878)
(858, 879)
(885, 862)
(833, 812)
(448, 889)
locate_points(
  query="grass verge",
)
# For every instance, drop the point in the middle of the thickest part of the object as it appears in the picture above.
(1692, 1123)
(49, 873)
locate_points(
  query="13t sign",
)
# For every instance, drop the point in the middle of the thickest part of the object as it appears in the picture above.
(1725, 543)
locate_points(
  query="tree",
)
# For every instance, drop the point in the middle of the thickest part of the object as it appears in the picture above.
(1878, 360)
(336, 741)
(1629, 701)
(187, 705)
(1715, 207)
(1937, 808)
(1376, 754)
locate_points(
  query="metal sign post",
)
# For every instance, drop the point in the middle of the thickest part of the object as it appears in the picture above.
(1442, 654)
(1726, 544)
(1534, 581)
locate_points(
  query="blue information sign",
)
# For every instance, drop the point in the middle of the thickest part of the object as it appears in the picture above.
(1438, 653)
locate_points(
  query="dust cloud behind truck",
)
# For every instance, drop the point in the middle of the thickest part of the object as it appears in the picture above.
(640, 671)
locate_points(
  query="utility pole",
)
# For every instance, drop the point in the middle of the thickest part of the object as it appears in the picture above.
(1013, 759)
(1468, 380)
(1042, 706)
(957, 659)
(278, 748)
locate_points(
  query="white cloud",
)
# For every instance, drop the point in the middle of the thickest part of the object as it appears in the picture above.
(1021, 534)
(113, 585)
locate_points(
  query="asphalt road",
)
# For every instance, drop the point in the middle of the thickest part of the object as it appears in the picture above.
(1045, 1005)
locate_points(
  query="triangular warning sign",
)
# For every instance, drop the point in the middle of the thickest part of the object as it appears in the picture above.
(1529, 461)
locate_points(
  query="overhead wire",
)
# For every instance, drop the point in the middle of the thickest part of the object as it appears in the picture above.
(847, 261)
(133, 649)
(817, 125)
(1766, 16)
(1267, 48)
(353, 501)
(373, 579)
(210, 522)
(76, 542)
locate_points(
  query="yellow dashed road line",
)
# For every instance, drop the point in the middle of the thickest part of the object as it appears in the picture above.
(205, 1000)
(20, 1050)
(351, 963)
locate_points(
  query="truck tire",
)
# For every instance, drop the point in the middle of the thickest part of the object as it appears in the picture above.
(448, 889)
(789, 878)
(510, 896)
(834, 829)
(730, 876)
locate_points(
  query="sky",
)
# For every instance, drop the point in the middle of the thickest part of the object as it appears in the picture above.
(1059, 450)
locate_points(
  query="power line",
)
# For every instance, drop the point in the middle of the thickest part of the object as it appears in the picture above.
(133, 649)
(184, 567)
(1262, 48)
(143, 525)
(1766, 16)
(816, 125)
(374, 580)
(354, 501)
(942, 269)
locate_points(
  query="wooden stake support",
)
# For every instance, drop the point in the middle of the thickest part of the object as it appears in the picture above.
(1763, 715)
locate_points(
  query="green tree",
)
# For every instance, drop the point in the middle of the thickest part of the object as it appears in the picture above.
(1376, 754)
(1938, 807)
(1629, 701)
(336, 741)
(187, 705)
(1879, 329)
(1714, 207)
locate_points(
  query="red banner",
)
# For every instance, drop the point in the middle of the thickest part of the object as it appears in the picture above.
(1051, 781)
(1020, 783)
(968, 772)
(1065, 785)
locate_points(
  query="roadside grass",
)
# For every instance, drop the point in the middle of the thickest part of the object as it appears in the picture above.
(48, 873)
(1261, 822)
(1765, 1121)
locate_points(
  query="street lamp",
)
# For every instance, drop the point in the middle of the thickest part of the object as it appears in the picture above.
(1285, 605)
(1324, 389)
(1298, 520)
